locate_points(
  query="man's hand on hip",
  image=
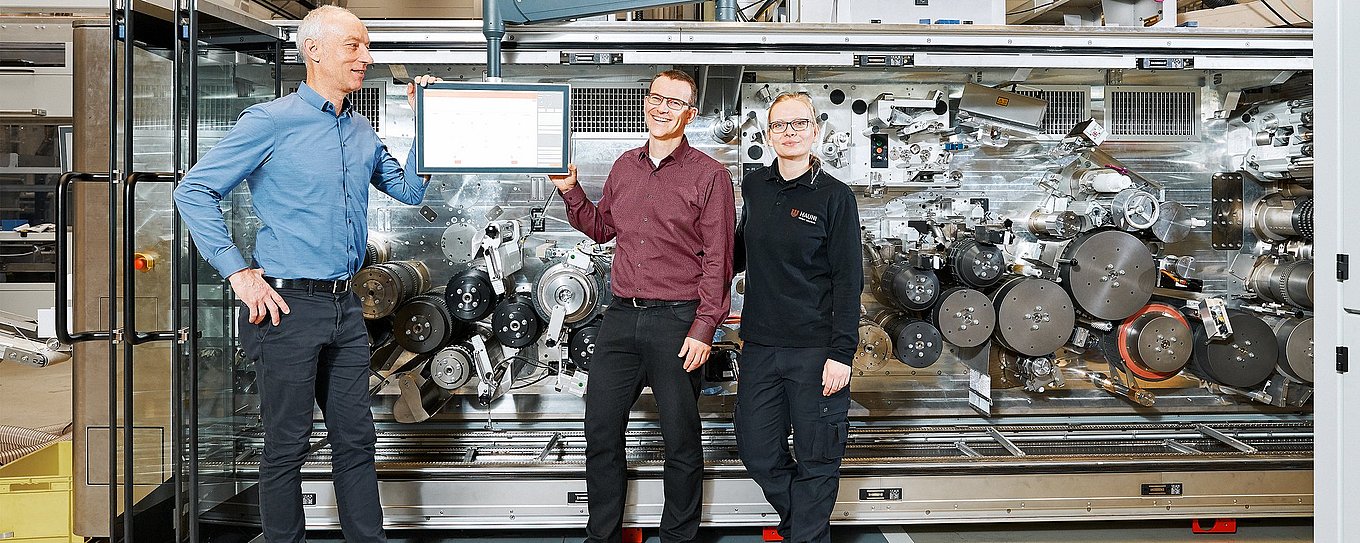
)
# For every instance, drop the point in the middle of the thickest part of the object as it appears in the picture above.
(250, 287)
(694, 352)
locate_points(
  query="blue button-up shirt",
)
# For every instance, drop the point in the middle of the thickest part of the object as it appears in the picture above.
(308, 171)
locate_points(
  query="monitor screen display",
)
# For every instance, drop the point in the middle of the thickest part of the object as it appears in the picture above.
(492, 128)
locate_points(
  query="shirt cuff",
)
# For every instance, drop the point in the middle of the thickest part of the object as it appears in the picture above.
(842, 357)
(702, 331)
(575, 197)
(229, 262)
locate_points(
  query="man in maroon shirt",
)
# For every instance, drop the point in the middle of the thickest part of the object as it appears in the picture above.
(672, 210)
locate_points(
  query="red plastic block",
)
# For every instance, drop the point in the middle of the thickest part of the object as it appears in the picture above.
(632, 535)
(1216, 526)
(770, 534)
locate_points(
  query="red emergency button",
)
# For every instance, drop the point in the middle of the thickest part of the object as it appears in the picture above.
(143, 262)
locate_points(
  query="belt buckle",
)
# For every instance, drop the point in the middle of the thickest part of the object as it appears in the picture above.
(636, 304)
(339, 285)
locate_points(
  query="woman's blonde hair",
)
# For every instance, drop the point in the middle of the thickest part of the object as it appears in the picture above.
(802, 98)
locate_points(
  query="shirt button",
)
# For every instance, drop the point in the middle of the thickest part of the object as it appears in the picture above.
(644, 219)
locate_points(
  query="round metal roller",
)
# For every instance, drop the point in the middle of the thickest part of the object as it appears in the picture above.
(965, 317)
(1154, 343)
(571, 288)
(1244, 359)
(1286, 282)
(874, 347)
(377, 251)
(470, 295)
(1135, 209)
(916, 343)
(1295, 337)
(1174, 223)
(908, 287)
(515, 322)
(1034, 316)
(1277, 218)
(453, 367)
(1110, 274)
(582, 345)
(974, 264)
(383, 287)
(424, 325)
(1055, 225)
(459, 242)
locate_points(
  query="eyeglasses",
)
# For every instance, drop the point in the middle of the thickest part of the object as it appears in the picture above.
(674, 104)
(798, 125)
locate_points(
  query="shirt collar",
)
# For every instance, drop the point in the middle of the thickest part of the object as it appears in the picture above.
(772, 175)
(678, 154)
(317, 101)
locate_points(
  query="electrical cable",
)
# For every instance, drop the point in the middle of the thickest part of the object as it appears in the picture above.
(1296, 13)
(1027, 10)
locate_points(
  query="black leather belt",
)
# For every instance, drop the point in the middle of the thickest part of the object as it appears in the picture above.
(643, 302)
(311, 285)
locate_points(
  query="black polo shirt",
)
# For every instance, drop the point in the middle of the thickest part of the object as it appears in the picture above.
(804, 268)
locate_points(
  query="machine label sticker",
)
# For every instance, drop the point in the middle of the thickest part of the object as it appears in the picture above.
(880, 494)
(1164, 489)
(803, 216)
(577, 497)
(309, 499)
(1003, 101)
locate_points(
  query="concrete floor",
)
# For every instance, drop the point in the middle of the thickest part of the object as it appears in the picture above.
(35, 397)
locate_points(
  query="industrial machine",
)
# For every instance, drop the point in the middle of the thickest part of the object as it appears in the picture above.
(1088, 277)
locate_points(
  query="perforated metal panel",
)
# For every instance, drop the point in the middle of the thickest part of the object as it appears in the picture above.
(613, 110)
(1152, 113)
(1067, 106)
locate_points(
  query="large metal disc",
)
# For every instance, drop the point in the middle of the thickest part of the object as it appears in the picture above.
(581, 347)
(1156, 342)
(1244, 359)
(571, 288)
(917, 343)
(874, 347)
(1111, 274)
(976, 265)
(452, 368)
(470, 295)
(423, 325)
(459, 242)
(965, 317)
(1296, 348)
(908, 287)
(1034, 316)
(1173, 223)
(515, 322)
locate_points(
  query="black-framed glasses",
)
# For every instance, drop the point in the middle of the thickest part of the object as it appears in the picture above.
(674, 104)
(798, 125)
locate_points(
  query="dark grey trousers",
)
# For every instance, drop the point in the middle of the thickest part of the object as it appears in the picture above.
(637, 348)
(779, 388)
(317, 355)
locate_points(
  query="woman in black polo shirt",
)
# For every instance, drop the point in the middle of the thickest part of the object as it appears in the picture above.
(801, 236)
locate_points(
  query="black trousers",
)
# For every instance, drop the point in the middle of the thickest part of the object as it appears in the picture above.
(779, 388)
(637, 348)
(317, 355)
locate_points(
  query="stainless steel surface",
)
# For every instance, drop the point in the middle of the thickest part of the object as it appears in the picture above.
(1034, 316)
(1110, 274)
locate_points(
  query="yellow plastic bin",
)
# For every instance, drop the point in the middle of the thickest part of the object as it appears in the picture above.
(35, 497)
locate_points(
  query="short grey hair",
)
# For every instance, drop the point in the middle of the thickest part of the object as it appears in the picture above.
(315, 25)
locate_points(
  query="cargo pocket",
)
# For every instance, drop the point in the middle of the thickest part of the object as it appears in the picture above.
(833, 429)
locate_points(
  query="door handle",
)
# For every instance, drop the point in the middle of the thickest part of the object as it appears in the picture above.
(62, 321)
(130, 333)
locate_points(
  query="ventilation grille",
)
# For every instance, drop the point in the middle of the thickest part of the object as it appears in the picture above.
(369, 101)
(1152, 114)
(1066, 108)
(615, 110)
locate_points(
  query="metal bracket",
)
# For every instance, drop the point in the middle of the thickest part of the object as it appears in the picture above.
(1005, 442)
(1343, 359)
(966, 450)
(1180, 447)
(1343, 267)
(1225, 438)
(1226, 224)
(552, 442)
(182, 336)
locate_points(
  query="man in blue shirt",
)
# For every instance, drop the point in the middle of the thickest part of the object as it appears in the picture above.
(308, 159)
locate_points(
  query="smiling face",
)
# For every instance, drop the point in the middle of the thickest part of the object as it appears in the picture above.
(662, 121)
(792, 144)
(339, 55)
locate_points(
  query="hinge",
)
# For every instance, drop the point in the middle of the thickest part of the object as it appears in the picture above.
(1343, 267)
(1343, 362)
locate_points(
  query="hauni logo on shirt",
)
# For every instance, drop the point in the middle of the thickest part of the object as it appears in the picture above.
(803, 216)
